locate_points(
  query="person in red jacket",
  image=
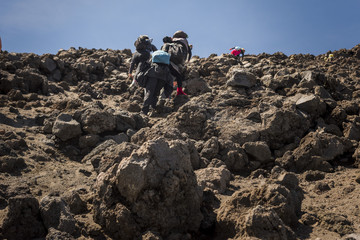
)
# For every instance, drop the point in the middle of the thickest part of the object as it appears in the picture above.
(236, 51)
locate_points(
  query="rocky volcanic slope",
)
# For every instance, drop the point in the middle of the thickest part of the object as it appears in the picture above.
(264, 150)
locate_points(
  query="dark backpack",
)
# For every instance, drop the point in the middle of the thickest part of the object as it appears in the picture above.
(143, 43)
(141, 73)
(178, 52)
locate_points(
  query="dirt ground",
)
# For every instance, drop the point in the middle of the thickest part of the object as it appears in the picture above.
(328, 204)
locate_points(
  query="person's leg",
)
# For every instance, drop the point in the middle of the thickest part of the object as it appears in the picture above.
(149, 93)
(168, 88)
(179, 79)
(160, 84)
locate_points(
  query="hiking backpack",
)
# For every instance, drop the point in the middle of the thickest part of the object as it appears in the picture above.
(141, 73)
(178, 52)
(160, 56)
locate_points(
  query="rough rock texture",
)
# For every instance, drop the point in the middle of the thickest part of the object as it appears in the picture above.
(263, 149)
(256, 212)
(157, 185)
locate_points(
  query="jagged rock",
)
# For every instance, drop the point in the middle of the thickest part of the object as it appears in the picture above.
(23, 220)
(15, 95)
(356, 156)
(215, 179)
(314, 175)
(119, 138)
(260, 151)
(115, 154)
(157, 184)
(266, 224)
(48, 65)
(352, 131)
(233, 156)
(95, 155)
(282, 79)
(56, 214)
(196, 86)
(75, 203)
(210, 149)
(314, 152)
(95, 121)
(241, 78)
(300, 110)
(65, 127)
(54, 234)
(282, 126)
(124, 122)
(32, 81)
(10, 164)
(89, 140)
(311, 104)
(280, 204)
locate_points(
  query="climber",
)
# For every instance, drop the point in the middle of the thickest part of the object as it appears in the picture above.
(158, 76)
(236, 51)
(180, 52)
(0, 45)
(329, 56)
(141, 57)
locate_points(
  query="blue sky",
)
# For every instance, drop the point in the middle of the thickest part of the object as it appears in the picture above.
(213, 26)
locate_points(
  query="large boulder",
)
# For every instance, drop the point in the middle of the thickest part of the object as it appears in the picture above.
(156, 184)
(281, 126)
(241, 78)
(48, 65)
(215, 179)
(311, 104)
(96, 121)
(270, 209)
(196, 86)
(56, 214)
(315, 151)
(32, 81)
(65, 127)
(259, 151)
(23, 220)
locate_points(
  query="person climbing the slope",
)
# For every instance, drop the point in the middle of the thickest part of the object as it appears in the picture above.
(236, 51)
(0, 45)
(141, 57)
(157, 77)
(180, 52)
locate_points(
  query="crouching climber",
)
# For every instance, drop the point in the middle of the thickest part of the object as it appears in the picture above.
(237, 51)
(157, 77)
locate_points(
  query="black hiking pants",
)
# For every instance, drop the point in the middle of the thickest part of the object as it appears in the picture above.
(178, 76)
(153, 87)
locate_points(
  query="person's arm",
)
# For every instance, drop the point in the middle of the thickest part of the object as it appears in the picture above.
(133, 63)
(153, 48)
(190, 52)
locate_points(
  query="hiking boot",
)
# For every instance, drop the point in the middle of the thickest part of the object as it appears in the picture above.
(179, 91)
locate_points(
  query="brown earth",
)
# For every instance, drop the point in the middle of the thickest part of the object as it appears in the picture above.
(219, 119)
